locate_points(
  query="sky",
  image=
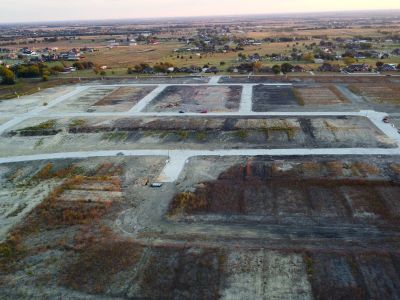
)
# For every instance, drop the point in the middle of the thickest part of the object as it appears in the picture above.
(60, 10)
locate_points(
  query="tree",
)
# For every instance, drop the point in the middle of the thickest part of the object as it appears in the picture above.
(242, 56)
(349, 60)
(379, 64)
(57, 69)
(286, 68)
(276, 69)
(257, 66)
(7, 76)
(308, 57)
(28, 71)
(78, 65)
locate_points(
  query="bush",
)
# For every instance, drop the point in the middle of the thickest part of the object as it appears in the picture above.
(27, 71)
(45, 78)
(276, 69)
(286, 68)
(7, 76)
(57, 69)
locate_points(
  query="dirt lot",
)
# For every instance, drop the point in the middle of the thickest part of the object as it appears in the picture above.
(69, 247)
(4, 120)
(197, 99)
(55, 135)
(299, 190)
(266, 96)
(319, 95)
(104, 99)
(122, 99)
(24, 104)
(309, 79)
(382, 94)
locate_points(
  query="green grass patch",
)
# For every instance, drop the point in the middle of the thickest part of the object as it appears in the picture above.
(116, 136)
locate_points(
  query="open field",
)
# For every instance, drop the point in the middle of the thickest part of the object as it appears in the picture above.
(197, 99)
(108, 99)
(32, 86)
(63, 234)
(320, 95)
(265, 96)
(299, 191)
(386, 94)
(130, 56)
(121, 196)
(86, 134)
(326, 79)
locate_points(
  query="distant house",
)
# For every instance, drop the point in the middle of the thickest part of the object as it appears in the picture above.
(69, 69)
(396, 52)
(388, 68)
(298, 69)
(318, 61)
(326, 67)
(112, 43)
(357, 68)
(73, 56)
(148, 70)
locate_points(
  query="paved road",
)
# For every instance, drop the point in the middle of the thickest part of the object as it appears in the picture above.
(178, 158)
(246, 101)
(38, 111)
(148, 98)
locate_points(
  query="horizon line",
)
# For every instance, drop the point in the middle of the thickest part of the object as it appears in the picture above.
(201, 16)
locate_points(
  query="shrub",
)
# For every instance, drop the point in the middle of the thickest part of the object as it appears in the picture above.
(7, 76)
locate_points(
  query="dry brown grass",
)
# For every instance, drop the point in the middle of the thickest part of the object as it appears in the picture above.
(378, 93)
(98, 261)
(123, 57)
(325, 95)
(187, 202)
(395, 168)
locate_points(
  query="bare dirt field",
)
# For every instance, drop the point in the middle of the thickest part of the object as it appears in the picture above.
(70, 247)
(23, 105)
(309, 79)
(41, 135)
(300, 191)
(197, 99)
(104, 99)
(266, 96)
(382, 94)
(291, 225)
(122, 99)
(319, 95)
(4, 120)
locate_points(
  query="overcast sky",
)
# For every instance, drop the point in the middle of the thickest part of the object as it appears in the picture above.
(46, 10)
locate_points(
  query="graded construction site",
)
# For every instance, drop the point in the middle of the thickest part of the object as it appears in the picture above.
(195, 188)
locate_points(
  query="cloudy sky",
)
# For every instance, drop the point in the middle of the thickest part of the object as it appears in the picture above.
(46, 10)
